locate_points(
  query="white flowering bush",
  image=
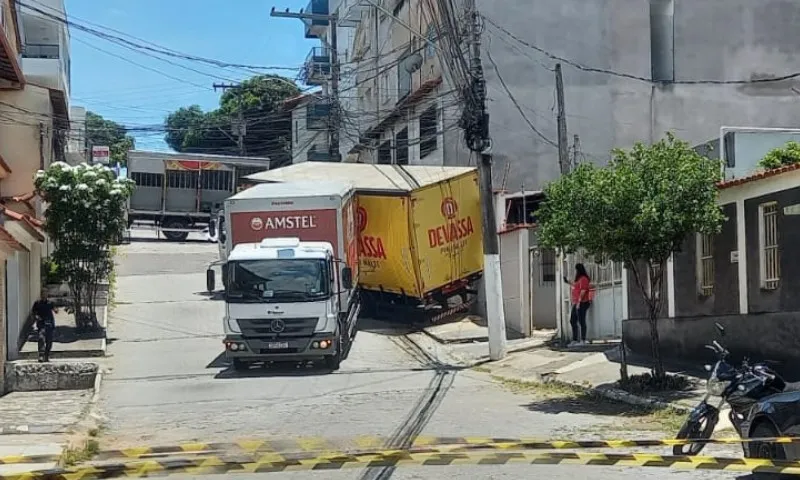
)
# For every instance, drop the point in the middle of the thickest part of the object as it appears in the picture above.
(85, 216)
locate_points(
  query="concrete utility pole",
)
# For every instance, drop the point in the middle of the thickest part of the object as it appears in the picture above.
(238, 126)
(576, 151)
(563, 148)
(333, 127)
(477, 136)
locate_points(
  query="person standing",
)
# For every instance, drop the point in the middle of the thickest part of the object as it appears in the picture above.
(44, 313)
(581, 300)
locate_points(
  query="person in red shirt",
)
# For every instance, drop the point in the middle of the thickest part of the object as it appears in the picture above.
(581, 300)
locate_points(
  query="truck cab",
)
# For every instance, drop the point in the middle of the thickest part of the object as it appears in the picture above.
(287, 300)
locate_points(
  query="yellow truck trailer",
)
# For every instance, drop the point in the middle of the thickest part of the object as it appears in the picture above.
(420, 234)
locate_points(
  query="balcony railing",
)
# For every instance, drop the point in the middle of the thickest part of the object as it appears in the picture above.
(41, 50)
(317, 67)
(315, 28)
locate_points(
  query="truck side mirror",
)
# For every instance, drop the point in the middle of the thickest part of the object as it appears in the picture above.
(211, 280)
(347, 278)
(212, 228)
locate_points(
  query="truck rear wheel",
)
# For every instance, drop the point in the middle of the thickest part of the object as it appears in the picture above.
(176, 236)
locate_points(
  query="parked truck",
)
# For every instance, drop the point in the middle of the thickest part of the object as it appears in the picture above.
(290, 274)
(179, 193)
(419, 234)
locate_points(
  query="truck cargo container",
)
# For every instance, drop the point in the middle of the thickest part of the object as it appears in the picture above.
(420, 234)
(291, 273)
(179, 193)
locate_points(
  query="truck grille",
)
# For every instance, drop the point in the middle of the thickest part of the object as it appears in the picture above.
(271, 327)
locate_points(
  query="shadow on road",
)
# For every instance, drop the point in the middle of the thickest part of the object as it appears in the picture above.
(162, 240)
(216, 296)
(585, 404)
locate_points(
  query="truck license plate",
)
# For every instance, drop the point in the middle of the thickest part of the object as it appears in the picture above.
(277, 345)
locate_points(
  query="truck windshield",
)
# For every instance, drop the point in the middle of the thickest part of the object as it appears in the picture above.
(278, 280)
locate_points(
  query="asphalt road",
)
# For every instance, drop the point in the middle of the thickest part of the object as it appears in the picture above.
(169, 383)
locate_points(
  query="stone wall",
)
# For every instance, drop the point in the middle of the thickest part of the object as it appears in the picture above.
(25, 376)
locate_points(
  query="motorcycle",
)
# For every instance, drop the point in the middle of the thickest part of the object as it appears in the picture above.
(740, 387)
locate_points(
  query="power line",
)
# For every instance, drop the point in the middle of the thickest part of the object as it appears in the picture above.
(585, 68)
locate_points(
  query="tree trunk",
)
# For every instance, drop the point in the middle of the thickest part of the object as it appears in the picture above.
(658, 364)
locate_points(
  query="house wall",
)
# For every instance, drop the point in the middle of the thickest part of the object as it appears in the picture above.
(304, 139)
(20, 140)
(785, 297)
(725, 299)
(714, 40)
(637, 306)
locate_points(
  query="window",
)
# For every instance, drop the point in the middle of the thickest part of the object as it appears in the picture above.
(185, 179)
(385, 87)
(662, 40)
(145, 179)
(768, 245)
(385, 153)
(403, 77)
(217, 180)
(705, 264)
(401, 147)
(547, 261)
(428, 127)
(317, 116)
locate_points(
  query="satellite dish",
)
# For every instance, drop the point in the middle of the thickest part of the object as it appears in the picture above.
(413, 63)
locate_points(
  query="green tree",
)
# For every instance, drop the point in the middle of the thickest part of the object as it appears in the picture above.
(259, 100)
(102, 132)
(638, 210)
(85, 216)
(781, 156)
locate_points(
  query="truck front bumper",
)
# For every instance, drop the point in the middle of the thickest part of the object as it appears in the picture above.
(258, 349)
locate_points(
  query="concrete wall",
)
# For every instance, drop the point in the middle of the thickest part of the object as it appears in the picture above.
(724, 300)
(20, 141)
(713, 40)
(304, 139)
(784, 297)
(684, 338)
(637, 306)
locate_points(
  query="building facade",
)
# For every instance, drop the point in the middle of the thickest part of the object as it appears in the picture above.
(34, 103)
(632, 71)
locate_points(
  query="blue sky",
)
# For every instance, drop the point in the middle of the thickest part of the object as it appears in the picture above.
(140, 95)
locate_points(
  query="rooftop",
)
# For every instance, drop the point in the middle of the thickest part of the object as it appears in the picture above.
(295, 190)
(761, 174)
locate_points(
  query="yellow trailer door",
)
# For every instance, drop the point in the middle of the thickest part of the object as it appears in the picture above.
(447, 227)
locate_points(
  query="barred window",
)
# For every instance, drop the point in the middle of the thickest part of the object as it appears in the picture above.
(705, 264)
(768, 243)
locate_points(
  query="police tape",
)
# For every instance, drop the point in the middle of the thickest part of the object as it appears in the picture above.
(371, 443)
(398, 458)
(362, 443)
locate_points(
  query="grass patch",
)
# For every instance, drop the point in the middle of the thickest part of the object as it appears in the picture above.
(112, 281)
(482, 369)
(73, 456)
(558, 397)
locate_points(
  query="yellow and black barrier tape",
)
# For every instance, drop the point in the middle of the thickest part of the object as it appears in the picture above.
(305, 461)
(363, 443)
(373, 443)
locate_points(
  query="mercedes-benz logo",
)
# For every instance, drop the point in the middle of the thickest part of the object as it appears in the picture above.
(277, 325)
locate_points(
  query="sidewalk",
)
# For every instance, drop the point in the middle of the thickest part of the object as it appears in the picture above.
(69, 344)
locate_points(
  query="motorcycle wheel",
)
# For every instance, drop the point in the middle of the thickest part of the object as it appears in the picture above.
(701, 428)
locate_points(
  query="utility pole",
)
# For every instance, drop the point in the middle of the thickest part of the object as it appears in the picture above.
(576, 151)
(563, 149)
(476, 123)
(238, 126)
(333, 126)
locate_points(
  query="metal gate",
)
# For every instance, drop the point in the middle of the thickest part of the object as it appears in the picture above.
(604, 319)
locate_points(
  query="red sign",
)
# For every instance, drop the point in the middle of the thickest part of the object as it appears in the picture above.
(454, 229)
(307, 225)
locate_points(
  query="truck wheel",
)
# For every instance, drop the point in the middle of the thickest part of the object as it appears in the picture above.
(176, 236)
(210, 281)
(334, 361)
(240, 365)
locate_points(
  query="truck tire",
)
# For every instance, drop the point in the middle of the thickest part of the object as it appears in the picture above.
(240, 365)
(176, 236)
(333, 362)
(210, 281)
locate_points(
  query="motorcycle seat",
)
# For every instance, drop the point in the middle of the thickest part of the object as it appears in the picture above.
(792, 387)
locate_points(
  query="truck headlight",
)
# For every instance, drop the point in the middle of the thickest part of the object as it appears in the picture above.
(232, 324)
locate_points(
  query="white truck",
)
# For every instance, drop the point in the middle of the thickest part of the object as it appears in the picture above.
(290, 272)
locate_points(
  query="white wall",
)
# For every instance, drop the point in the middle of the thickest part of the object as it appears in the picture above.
(303, 139)
(515, 276)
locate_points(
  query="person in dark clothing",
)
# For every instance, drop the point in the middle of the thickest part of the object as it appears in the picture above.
(581, 299)
(44, 313)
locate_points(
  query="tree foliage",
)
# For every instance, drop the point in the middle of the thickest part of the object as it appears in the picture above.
(102, 132)
(85, 216)
(779, 157)
(268, 127)
(638, 210)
